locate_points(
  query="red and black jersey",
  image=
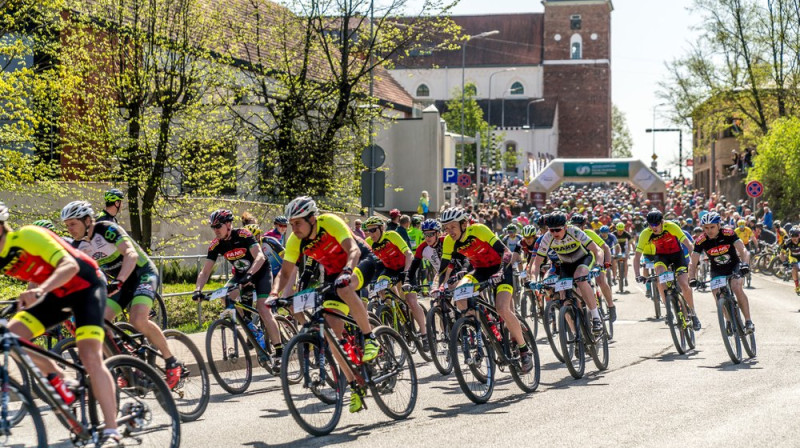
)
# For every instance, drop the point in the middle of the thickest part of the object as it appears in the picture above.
(720, 250)
(235, 249)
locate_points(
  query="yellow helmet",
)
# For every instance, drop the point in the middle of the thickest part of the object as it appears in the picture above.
(254, 229)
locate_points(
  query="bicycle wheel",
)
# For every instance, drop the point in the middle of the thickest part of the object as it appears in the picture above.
(392, 375)
(656, 299)
(287, 331)
(528, 382)
(194, 389)
(147, 411)
(598, 347)
(158, 312)
(571, 346)
(551, 328)
(730, 334)
(23, 416)
(316, 401)
(228, 357)
(680, 326)
(439, 339)
(748, 340)
(773, 268)
(529, 312)
(68, 349)
(416, 332)
(473, 360)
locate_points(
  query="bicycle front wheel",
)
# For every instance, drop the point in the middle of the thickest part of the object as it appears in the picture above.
(158, 312)
(316, 401)
(680, 327)
(228, 357)
(439, 339)
(194, 388)
(528, 382)
(730, 334)
(551, 329)
(24, 421)
(393, 377)
(656, 299)
(473, 360)
(571, 346)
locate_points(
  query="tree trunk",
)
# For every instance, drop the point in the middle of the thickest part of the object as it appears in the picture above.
(131, 172)
(155, 177)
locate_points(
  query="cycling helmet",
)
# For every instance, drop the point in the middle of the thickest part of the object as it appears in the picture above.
(394, 213)
(281, 220)
(301, 207)
(555, 220)
(46, 223)
(794, 231)
(655, 217)
(511, 228)
(4, 213)
(604, 229)
(697, 230)
(220, 216)
(541, 220)
(431, 224)
(453, 214)
(710, 218)
(416, 219)
(689, 221)
(76, 210)
(777, 223)
(254, 229)
(741, 223)
(114, 195)
(373, 221)
(528, 231)
(577, 220)
(620, 226)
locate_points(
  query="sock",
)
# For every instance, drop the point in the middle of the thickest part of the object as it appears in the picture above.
(170, 361)
(523, 348)
(278, 349)
(796, 283)
(595, 313)
(110, 432)
(370, 336)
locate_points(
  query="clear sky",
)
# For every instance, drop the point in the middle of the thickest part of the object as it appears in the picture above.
(644, 35)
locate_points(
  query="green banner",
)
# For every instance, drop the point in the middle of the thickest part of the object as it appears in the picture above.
(596, 169)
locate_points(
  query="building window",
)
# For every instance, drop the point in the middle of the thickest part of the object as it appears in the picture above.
(511, 156)
(576, 47)
(517, 88)
(423, 90)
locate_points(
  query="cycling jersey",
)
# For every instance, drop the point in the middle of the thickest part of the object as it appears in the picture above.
(594, 237)
(745, 234)
(478, 245)
(792, 249)
(527, 249)
(571, 248)
(273, 250)
(611, 241)
(665, 243)
(720, 250)
(236, 249)
(551, 254)
(782, 236)
(326, 247)
(622, 239)
(104, 239)
(415, 236)
(430, 253)
(105, 216)
(512, 243)
(390, 250)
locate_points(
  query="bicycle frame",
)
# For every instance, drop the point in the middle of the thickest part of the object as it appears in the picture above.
(480, 306)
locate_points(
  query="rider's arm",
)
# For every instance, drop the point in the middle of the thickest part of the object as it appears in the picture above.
(445, 268)
(353, 252)
(284, 277)
(258, 258)
(693, 265)
(636, 267)
(592, 246)
(744, 254)
(205, 273)
(412, 271)
(129, 259)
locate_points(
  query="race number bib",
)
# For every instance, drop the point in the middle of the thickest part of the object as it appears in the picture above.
(380, 286)
(550, 281)
(219, 293)
(665, 277)
(650, 265)
(719, 282)
(563, 284)
(304, 300)
(523, 274)
(464, 292)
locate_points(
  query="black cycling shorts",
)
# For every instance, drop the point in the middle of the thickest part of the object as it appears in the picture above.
(87, 305)
(567, 270)
(365, 271)
(139, 289)
(480, 275)
(672, 262)
(262, 283)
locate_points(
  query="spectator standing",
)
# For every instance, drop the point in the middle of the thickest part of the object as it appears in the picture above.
(424, 202)
(357, 231)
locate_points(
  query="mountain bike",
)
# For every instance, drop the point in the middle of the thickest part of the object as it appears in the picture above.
(439, 323)
(620, 260)
(312, 380)
(480, 342)
(530, 304)
(731, 320)
(551, 313)
(394, 312)
(602, 307)
(655, 295)
(228, 352)
(146, 411)
(678, 314)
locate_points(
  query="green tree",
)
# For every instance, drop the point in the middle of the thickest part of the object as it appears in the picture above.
(474, 124)
(777, 166)
(621, 141)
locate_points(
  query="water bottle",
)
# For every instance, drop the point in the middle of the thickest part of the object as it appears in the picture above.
(350, 350)
(259, 335)
(62, 389)
(493, 326)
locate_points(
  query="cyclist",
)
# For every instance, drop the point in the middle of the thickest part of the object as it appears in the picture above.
(577, 254)
(246, 256)
(579, 221)
(780, 234)
(272, 247)
(396, 257)
(490, 258)
(279, 231)
(61, 281)
(133, 278)
(790, 254)
(512, 239)
(625, 242)
(612, 242)
(113, 199)
(555, 262)
(745, 234)
(726, 254)
(348, 263)
(415, 233)
(429, 250)
(663, 240)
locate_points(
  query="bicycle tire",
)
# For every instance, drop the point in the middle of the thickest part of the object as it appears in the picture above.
(307, 345)
(571, 347)
(551, 328)
(232, 359)
(529, 303)
(732, 341)
(598, 348)
(418, 334)
(748, 340)
(528, 382)
(656, 300)
(158, 312)
(141, 380)
(21, 396)
(676, 323)
(438, 329)
(387, 374)
(465, 331)
(287, 330)
(773, 266)
(194, 390)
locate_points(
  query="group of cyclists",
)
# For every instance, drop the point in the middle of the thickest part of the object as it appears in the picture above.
(99, 271)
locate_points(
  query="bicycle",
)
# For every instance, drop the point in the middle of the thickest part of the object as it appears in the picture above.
(158, 312)
(313, 383)
(620, 259)
(191, 396)
(228, 352)
(550, 316)
(731, 321)
(138, 402)
(530, 304)
(602, 307)
(655, 295)
(678, 314)
(394, 312)
(479, 341)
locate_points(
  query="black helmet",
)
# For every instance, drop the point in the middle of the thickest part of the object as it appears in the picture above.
(555, 220)
(577, 220)
(655, 217)
(794, 231)
(220, 216)
(540, 222)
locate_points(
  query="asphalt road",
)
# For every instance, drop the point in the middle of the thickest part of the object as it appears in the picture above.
(649, 396)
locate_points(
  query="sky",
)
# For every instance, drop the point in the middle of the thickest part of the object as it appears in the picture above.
(645, 34)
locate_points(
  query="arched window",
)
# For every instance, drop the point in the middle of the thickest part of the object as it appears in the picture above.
(517, 88)
(423, 90)
(576, 47)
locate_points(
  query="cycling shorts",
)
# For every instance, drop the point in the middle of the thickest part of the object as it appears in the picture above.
(87, 305)
(262, 283)
(568, 269)
(390, 274)
(139, 289)
(365, 271)
(479, 275)
(675, 261)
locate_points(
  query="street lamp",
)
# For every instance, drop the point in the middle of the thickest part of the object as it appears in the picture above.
(680, 145)
(654, 135)
(463, 71)
(528, 109)
(491, 142)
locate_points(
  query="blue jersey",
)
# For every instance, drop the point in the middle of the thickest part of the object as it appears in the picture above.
(551, 254)
(273, 250)
(685, 250)
(611, 240)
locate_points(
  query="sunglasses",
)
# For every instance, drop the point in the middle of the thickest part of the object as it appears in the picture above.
(429, 234)
(556, 229)
(654, 225)
(373, 230)
(216, 226)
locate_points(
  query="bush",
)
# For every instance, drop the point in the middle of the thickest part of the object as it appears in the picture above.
(182, 310)
(176, 272)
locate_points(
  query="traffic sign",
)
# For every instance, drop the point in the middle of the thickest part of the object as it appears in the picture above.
(754, 189)
(449, 175)
(464, 180)
(368, 179)
(373, 156)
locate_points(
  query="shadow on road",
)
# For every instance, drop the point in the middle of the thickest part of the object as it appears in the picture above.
(589, 379)
(728, 366)
(492, 407)
(344, 434)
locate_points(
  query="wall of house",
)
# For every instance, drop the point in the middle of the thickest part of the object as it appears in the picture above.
(442, 82)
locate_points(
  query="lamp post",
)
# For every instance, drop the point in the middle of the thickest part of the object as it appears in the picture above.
(463, 71)
(654, 135)
(528, 109)
(680, 145)
(491, 142)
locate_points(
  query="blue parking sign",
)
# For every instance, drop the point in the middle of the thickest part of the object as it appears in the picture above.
(450, 175)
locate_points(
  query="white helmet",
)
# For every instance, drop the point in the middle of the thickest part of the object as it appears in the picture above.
(453, 214)
(301, 207)
(76, 210)
(4, 213)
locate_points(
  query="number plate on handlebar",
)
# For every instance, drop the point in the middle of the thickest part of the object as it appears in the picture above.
(523, 274)
(550, 281)
(563, 284)
(380, 286)
(719, 282)
(650, 265)
(219, 294)
(665, 277)
(464, 292)
(304, 300)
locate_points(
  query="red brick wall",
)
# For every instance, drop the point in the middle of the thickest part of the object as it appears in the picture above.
(583, 91)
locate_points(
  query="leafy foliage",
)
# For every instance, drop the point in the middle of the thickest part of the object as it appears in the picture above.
(777, 166)
(621, 141)
(474, 124)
